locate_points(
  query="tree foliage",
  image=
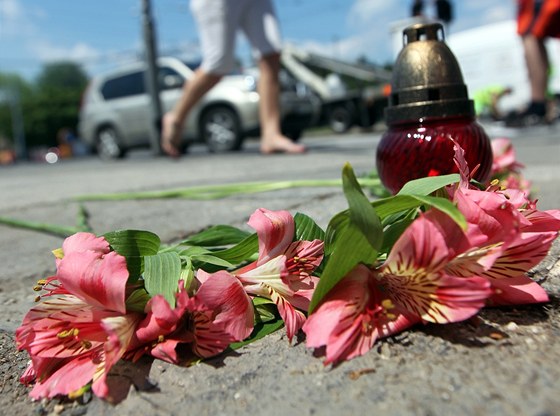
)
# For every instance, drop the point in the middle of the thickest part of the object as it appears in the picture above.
(49, 103)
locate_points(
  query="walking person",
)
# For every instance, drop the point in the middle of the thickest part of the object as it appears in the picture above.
(218, 22)
(537, 20)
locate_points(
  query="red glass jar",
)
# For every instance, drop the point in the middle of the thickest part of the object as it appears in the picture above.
(429, 110)
(425, 148)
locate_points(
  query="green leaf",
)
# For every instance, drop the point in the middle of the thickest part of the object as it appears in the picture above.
(133, 242)
(353, 237)
(203, 259)
(350, 249)
(425, 186)
(307, 229)
(134, 245)
(337, 223)
(399, 203)
(161, 275)
(240, 252)
(393, 232)
(218, 235)
(137, 300)
(362, 214)
(260, 331)
(187, 276)
(266, 313)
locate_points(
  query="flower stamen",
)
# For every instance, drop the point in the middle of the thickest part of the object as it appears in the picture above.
(72, 332)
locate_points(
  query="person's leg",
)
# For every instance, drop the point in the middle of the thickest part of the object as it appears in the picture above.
(217, 25)
(260, 25)
(536, 58)
(173, 121)
(272, 139)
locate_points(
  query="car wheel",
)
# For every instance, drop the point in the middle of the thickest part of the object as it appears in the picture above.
(221, 130)
(340, 119)
(108, 144)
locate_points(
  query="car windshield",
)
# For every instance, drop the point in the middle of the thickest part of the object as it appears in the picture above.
(192, 64)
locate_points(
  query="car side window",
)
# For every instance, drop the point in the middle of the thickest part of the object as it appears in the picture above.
(169, 79)
(124, 86)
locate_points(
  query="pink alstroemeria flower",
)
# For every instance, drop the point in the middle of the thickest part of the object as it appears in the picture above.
(504, 157)
(410, 286)
(283, 270)
(352, 316)
(416, 278)
(509, 236)
(218, 314)
(505, 167)
(82, 329)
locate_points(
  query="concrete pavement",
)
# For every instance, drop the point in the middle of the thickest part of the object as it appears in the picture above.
(462, 368)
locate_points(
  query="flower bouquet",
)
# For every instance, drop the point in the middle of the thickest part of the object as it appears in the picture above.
(437, 252)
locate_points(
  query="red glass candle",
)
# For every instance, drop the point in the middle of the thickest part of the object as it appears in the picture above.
(429, 110)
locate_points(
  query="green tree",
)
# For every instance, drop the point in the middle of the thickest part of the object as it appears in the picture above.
(64, 75)
(12, 86)
(56, 104)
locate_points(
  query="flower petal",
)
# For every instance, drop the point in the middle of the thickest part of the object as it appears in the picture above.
(80, 242)
(99, 280)
(160, 321)
(437, 297)
(223, 294)
(415, 278)
(71, 376)
(293, 318)
(275, 231)
(352, 316)
(520, 255)
(518, 290)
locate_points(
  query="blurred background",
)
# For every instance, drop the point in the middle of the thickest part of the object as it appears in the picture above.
(338, 52)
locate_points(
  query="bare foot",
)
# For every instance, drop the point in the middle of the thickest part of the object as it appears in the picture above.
(281, 144)
(171, 136)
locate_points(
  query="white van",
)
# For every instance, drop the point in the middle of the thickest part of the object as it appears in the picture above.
(492, 55)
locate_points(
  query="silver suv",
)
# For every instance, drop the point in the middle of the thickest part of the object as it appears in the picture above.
(115, 112)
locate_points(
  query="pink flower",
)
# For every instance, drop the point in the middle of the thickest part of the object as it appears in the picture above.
(416, 278)
(352, 316)
(218, 314)
(411, 286)
(506, 170)
(283, 270)
(504, 157)
(79, 332)
(508, 236)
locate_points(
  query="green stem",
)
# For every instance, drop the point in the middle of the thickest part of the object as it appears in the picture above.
(222, 191)
(56, 230)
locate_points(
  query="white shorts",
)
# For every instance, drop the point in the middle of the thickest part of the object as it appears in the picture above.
(218, 22)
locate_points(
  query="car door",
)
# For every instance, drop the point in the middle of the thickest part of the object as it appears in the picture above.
(129, 105)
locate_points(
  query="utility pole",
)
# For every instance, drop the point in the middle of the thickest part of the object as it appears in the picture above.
(151, 81)
(11, 96)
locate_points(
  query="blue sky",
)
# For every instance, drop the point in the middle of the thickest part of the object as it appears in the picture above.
(102, 33)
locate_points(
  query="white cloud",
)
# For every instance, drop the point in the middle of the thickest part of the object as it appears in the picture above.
(46, 51)
(10, 9)
(14, 22)
(22, 37)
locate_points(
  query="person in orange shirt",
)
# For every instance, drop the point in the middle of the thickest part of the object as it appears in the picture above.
(536, 21)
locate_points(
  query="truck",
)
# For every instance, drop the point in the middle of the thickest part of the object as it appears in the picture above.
(349, 94)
